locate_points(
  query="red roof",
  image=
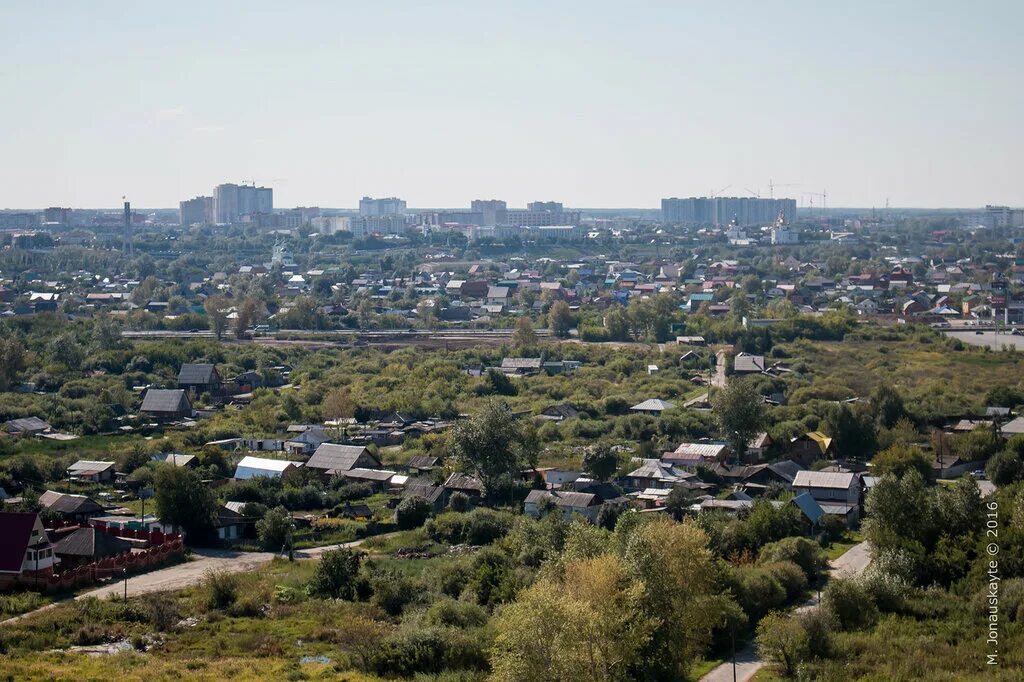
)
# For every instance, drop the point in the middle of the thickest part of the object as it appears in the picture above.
(15, 534)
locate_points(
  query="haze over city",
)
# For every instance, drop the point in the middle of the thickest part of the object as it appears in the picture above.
(598, 104)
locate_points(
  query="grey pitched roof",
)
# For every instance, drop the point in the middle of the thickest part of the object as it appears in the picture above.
(823, 479)
(424, 489)
(91, 543)
(64, 503)
(564, 499)
(520, 363)
(165, 400)
(89, 465)
(786, 468)
(359, 474)
(745, 362)
(652, 405)
(197, 373)
(463, 482)
(335, 457)
(26, 424)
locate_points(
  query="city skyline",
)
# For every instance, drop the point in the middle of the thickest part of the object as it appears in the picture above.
(610, 108)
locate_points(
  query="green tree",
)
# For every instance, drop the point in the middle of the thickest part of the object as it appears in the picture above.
(335, 574)
(887, 404)
(274, 530)
(560, 319)
(412, 512)
(217, 313)
(248, 315)
(616, 321)
(600, 461)
(740, 414)
(524, 336)
(783, 641)
(585, 624)
(12, 359)
(493, 445)
(183, 501)
(853, 430)
(1005, 468)
(899, 459)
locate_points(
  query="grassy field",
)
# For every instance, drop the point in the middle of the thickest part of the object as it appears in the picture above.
(838, 549)
(923, 365)
(939, 636)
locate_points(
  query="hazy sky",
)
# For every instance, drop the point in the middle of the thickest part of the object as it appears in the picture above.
(596, 104)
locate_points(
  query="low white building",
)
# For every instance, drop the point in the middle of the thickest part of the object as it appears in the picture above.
(252, 467)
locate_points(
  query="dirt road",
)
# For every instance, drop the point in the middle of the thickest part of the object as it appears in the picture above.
(748, 662)
(189, 573)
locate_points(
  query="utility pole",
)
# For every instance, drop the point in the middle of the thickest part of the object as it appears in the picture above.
(734, 653)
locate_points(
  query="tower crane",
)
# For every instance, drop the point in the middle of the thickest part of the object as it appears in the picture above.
(772, 185)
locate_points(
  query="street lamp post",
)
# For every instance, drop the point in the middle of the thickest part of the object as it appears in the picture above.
(734, 652)
(124, 572)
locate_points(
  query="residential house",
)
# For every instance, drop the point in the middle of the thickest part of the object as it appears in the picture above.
(838, 493)
(558, 413)
(91, 471)
(745, 363)
(422, 463)
(253, 467)
(199, 378)
(179, 460)
(652, 406)
(378, 479)
(26, 426)
(86, 545)
(587, 505)
(498, 296)
(332, 459)
(25, 548)
(166, 404)
(67, 507)
(435, 495)
(810, 447)
(951, 466)
(809, 508)
(655, 474)
(307, 441)
(692, 455)
(468, 485)
(231, 524)
(520, 366)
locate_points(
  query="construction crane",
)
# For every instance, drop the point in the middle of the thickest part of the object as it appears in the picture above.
(756, 194)
(824, 200)
(772, 185)
(715, 194)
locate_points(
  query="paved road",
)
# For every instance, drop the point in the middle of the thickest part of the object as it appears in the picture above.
(748, 662)
(719, 379)
(189, 573)
(989, 338)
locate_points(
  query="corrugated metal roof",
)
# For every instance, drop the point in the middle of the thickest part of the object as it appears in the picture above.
(823, 479)
(336, 457)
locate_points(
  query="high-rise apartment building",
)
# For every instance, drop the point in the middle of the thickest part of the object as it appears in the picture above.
(57, 215)
(551, 206)
(493, 211)
(369, 206)
(197, 211)
(231, 201)
(744, 211)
